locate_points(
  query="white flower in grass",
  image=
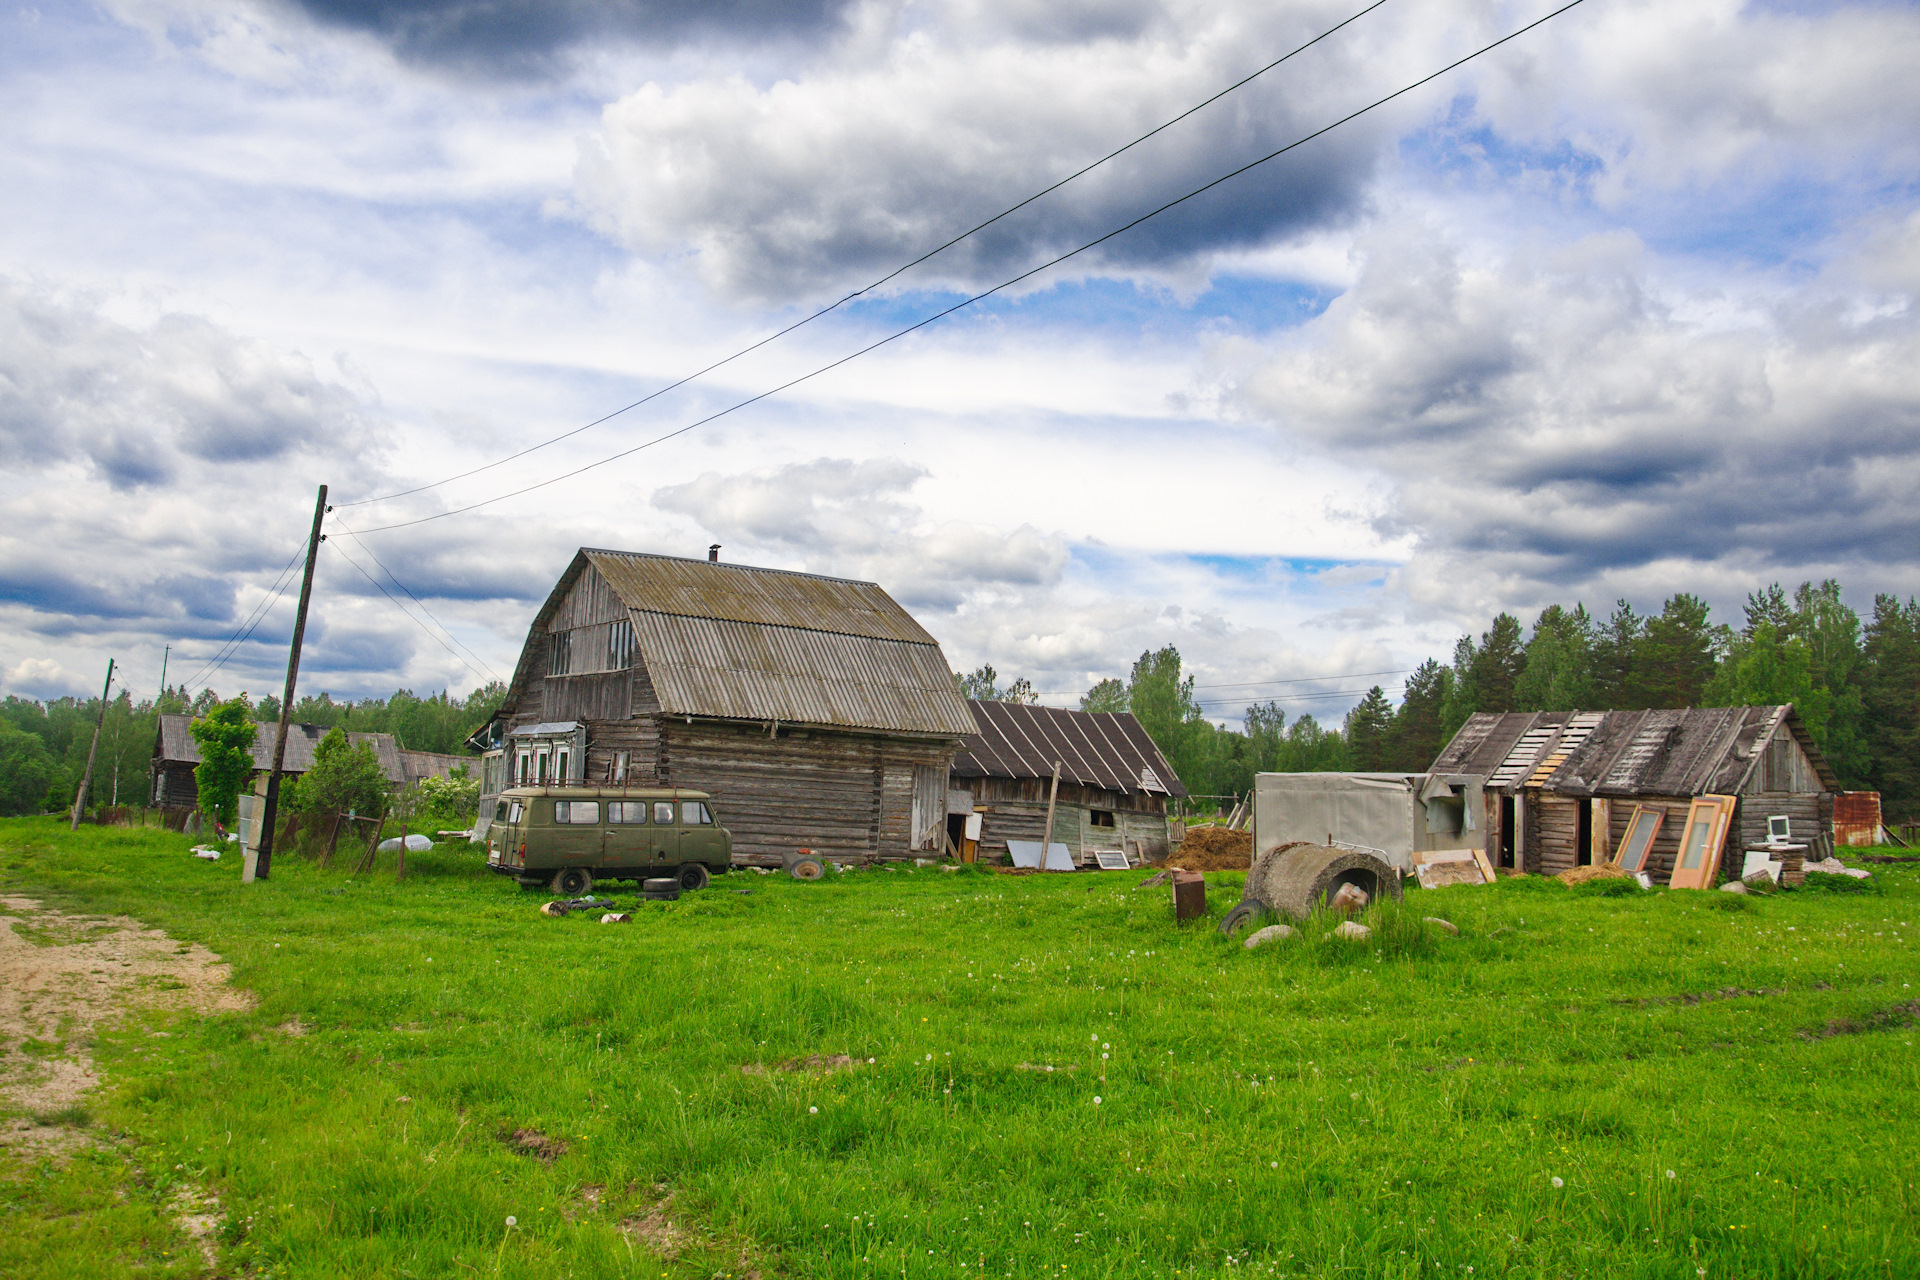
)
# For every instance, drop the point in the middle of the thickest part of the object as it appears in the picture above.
(1670, 1173)
(1558, 1183)
(1096, 1100)
(813, 1111)
(512, 1221)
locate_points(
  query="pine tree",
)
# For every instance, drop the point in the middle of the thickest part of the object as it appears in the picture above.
(1891, 696)
(1368, 727)
(1674, 660)
(1496, 666)
(1418, 730)
(1615, 680)
(1558, 675)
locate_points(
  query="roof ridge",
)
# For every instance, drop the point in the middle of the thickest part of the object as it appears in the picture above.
(723, 564)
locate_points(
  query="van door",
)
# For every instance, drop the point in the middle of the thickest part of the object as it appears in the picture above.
(700, 839)
(576, 833)
(664, 834)
(628, 845)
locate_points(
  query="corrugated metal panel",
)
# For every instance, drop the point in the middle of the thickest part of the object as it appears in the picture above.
(755, 671)
(768, 597)
(1106, 750)
(1856, 818)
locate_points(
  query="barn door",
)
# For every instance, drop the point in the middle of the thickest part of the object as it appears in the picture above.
(929, 807)
(1700, 842)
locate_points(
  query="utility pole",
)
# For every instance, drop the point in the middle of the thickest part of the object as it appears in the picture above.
(263, 862)
(164, 655)
(80, 800)
(1046, 834)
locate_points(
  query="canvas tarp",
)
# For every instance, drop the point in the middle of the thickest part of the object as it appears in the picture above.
(1392, 813)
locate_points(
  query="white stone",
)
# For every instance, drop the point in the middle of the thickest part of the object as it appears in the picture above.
(1445, 926)
(1353, 929)
(1272, 933)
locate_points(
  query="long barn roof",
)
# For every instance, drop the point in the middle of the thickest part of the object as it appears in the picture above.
(1693, 751)
(174, 744)
(741, 642)
(1105, 750)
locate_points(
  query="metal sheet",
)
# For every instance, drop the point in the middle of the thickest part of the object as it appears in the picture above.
(746, 593)
(1108, 751)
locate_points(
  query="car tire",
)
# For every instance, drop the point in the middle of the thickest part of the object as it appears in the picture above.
(806, 867)
(572, 882)
(693, 877)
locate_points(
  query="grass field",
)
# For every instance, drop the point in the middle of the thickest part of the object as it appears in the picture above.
(1662, 1084)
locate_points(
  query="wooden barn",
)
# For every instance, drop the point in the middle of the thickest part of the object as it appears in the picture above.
(817, 713)
(1563, 785)
(1114, 783)
(176, 755)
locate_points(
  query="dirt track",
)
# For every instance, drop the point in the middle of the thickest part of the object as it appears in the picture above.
(63, 976)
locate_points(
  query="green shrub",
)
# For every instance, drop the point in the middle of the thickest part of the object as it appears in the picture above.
(1833, 882)
(225, 737)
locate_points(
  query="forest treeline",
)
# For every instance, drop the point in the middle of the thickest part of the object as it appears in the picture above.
(1855, 682)
(43, 745)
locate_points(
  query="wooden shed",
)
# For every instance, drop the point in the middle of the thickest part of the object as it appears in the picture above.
(815, 710)
(176, 755)
(1562, 785)
(1114, 783)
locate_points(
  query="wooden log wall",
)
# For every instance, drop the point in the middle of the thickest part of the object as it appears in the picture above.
(1553, 838)
(1802, 810)
(1666, 845)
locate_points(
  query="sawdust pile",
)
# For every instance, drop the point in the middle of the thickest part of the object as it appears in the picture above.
(64, 976)
(1214, 849)
(1602, 871)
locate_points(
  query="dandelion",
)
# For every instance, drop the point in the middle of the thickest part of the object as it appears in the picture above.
(512, 1221)
(1096, 1100)
(813, 1111)
(1558, 1183)
(1670, 1173)
(1273, 1164)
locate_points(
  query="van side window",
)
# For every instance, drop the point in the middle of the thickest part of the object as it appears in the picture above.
(663, 812)
(694, 814)
(577, 812)
(633, 812)
(513, 813)
(500, 812)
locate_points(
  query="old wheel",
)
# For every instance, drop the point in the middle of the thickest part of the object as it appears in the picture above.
(805, 866)
(693, 876)
(572, 882)
(1243, 914)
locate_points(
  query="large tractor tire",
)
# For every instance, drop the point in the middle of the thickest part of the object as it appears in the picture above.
(804, 864)
(1294, 880)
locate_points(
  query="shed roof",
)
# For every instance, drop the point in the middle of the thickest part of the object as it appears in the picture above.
(175, 745)
(740, 642)
(1693, 751)
(1106, 750)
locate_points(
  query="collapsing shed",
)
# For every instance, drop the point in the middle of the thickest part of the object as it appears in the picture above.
(176, 755)
(1562, 786)
(1114, 782)
(814, 710)
(1394, 815)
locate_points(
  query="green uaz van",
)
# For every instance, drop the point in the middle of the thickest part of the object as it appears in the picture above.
(567, 837)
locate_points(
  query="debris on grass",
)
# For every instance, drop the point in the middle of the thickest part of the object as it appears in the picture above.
(1445, 926)
(197, 1214)
(813, 1064)
(1598, 871)
(1899, 1015)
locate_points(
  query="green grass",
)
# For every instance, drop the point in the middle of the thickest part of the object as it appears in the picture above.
(1728, 1092)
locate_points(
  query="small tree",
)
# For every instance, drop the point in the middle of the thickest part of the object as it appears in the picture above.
(225, 737)
(27, 772)
(345, 778)
(1109, 696)
(455, 796)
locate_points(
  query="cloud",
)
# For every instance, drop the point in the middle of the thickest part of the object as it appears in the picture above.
(43, 678)
(1563, 419)
(523, 37)
(867, 158)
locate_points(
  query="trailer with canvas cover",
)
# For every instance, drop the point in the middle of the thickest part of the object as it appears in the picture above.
(1395, 816)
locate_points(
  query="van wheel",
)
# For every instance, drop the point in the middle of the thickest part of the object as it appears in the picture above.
(572, 882)
(693, 877)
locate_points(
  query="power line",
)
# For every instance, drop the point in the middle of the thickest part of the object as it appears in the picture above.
(402, 608)
(417, 600)
(898, 271)
(967, 302)
(247, 625)
(1248, 684)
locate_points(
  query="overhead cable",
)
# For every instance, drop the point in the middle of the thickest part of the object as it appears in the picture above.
(341, 525)
(402, 608)
(247, 625)
(967, 302)
(896, 272)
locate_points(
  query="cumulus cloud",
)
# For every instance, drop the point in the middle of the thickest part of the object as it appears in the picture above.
(1562, 418)
(851, 166)
(856, 519)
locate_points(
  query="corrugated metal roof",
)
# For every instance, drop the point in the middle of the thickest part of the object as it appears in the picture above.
(174, 744)
(745, 593)
(1696, 751)
(1107, 750)
(754, 671)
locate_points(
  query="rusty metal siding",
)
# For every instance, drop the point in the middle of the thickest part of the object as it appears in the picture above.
(767, 597)
(753, 671)
(1103, 750)
(1856, 818)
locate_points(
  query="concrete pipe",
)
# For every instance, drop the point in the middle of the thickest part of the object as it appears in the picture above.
(1294, 879)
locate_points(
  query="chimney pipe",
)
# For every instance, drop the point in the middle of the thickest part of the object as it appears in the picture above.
(713, 554)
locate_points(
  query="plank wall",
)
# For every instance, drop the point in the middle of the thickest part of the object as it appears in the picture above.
(1016, 809)
(1553, 833)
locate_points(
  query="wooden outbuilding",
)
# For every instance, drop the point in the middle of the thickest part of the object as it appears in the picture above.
(176, 755)
(815, 711)
(1562, 785)
(1114, 782)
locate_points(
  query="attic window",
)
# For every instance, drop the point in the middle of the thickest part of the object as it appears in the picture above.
(559, 653)
(1100, 818)
(620, 645)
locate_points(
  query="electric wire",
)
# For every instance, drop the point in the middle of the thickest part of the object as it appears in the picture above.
(421, 604)
(1248, 684)
(246, 628)
(967, 302)
(402, 608)
(891, 275)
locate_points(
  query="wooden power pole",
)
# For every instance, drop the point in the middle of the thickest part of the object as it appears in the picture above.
(263, 862)
(80, 800)
(1046, 834)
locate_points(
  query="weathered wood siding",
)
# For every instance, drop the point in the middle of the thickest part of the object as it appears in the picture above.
(1666, 845)
(1016, 809)
(1554, 843)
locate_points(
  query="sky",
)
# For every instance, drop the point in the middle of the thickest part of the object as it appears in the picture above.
(1622, 308)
